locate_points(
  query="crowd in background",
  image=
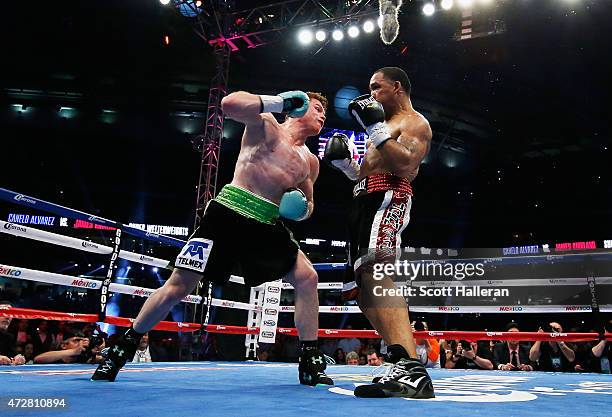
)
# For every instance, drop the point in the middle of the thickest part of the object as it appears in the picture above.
(40, 341)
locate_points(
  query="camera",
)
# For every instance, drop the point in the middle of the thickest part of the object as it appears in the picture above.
(465, 345)
(419, 326)
(95, 340)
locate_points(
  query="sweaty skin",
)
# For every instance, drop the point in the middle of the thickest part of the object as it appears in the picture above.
(410, 134)
(273, 156)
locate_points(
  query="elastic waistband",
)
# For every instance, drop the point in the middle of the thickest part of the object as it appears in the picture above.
(248, 204)
(382, 182)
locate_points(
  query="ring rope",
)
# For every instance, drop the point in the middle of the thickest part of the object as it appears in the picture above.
(23, 313)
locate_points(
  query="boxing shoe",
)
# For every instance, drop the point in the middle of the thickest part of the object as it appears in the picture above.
(312, 368)
(117, 356)
(405, 378)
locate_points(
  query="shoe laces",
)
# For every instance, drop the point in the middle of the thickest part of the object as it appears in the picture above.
(392, 372)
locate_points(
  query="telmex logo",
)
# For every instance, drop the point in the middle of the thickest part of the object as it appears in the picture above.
(25, 199)
(271, 311)
(446, 308)
(506, 308)
(327, 331)
(86, 244)
(181, 324)
(272, 300)
(273, 289)
(435, 333)
(267, 334)
(269, 323)
(83, 284)
(494, 333)
(220, 327)
(145, 258)
(557, 334)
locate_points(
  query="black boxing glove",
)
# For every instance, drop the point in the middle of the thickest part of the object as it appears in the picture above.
(370, 114)
(339, 151)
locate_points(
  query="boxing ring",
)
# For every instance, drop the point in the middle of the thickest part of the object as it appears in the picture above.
(256, 388)
(271, 389)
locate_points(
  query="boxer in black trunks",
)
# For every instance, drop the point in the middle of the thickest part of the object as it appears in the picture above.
(273, 178)
(399, 139)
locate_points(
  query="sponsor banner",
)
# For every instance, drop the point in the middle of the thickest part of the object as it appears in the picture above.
(161, 230)
(7, 271)
(144, 259)
(269, 313)
(544, 282)
(320, 285)
(84, 245)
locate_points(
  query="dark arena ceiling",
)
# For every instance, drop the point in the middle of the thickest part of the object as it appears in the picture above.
(521, 114)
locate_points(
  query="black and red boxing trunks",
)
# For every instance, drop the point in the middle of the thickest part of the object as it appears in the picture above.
(379, 214)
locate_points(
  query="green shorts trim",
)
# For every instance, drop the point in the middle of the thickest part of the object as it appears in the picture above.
(248, 204)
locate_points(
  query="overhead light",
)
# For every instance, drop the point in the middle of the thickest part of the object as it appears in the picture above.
(368, 26)
(321, 35)
(353, 31)
(466, 4)
(337, 35)
(447, 4)
(164, 2)
(429, 9)
(305, 36)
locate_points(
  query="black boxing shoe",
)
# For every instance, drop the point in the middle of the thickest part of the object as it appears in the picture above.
(312, 368)
(117, 356)
(405, 378)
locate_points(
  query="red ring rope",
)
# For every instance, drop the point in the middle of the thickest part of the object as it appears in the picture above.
(25, 313)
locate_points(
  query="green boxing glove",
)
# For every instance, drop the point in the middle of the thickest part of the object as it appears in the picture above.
(291, 103)
(293, 205)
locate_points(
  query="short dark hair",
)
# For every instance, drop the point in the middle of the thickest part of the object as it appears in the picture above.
(396, 74)
(512, 325)
(372, 352)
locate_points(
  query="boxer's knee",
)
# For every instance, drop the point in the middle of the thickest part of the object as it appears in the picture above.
(307, 279)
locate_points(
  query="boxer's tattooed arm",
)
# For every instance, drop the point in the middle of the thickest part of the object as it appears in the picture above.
(404, 156)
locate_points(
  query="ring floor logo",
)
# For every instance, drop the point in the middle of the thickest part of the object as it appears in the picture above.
(492, 388)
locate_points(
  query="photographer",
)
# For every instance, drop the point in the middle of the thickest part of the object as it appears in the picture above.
(602, 353)
(428, 350)
(74, 350)
(552, 356)
(468, 355)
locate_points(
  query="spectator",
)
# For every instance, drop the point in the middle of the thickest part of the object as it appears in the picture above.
(22, 335)
(339, 357)
(511, 355)
(63, 332)
(374, 359)
(469, 355)
(28, 353)
(72, 350)
(349, 344)
(8, 354)
(552, 356)
(428, 350)
(363, 360)
(598, 356)
(42, 338)
(149, 353)
(329, 346)
(352, 358)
